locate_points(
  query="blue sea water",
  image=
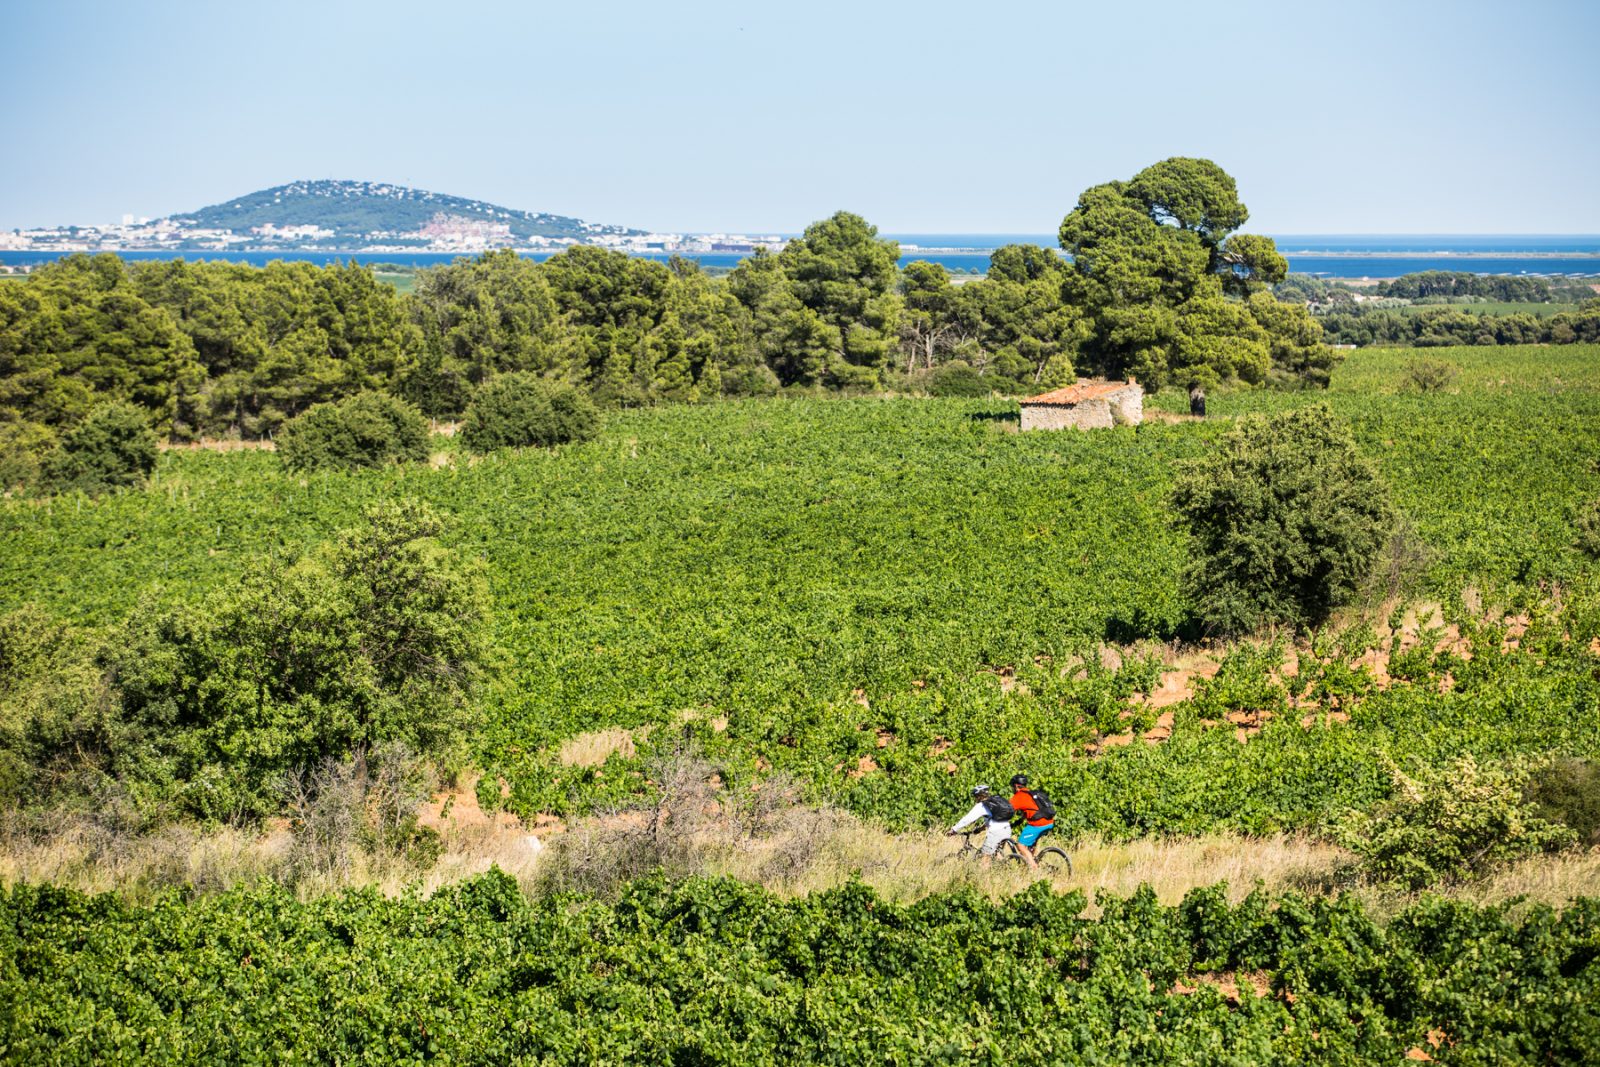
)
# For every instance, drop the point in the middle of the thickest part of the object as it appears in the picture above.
(1327, 255)
(1413, 243)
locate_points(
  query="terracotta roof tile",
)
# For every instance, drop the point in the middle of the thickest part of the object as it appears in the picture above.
(1077, 394)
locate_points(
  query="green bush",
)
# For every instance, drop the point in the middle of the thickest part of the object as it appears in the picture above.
(1429, 375)
(114, 448)
(1287, 521)
(366, 430)
(1588, 529)
(519, 410)
(24, 447)
(751, 379)
(1448, 823)
(958, 378)
(1567, 791)
(378, 636)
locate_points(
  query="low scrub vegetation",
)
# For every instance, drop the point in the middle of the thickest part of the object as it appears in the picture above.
(366, 430)
(1450, 823)
(519, 410)
(113, 448)
(1287, 520)
(1430, 375)
(377, 636)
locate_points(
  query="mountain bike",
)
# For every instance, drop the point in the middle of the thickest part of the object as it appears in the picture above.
(1051, 859)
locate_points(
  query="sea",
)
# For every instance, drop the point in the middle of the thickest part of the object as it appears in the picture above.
(1323, 255)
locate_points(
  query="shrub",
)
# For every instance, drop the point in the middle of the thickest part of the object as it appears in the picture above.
(1429, 375)
(518, 410)
(359, 814)
(1588, 529)
(378, 636)
(1447, 823)
(1287, 519)
(1567, 791)
(24, 447)
(958, 378)
(752, 379)
(366, 430)
(114, 448)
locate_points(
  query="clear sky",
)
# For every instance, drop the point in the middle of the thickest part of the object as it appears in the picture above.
(1341, 117)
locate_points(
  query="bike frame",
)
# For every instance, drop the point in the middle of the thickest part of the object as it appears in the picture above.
(1012, 851)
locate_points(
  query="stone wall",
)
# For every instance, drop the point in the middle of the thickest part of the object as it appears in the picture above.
(1095, 414)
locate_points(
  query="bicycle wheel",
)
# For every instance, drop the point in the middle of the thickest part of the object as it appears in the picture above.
(1053, 861)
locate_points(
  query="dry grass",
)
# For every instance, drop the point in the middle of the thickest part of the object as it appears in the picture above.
(221, 444)
(81, 854)
(806, 850)
(594, 748)
(197, 861)
(697, 828)
(910, 866)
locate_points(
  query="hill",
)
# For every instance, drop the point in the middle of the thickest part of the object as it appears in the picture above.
(372, 211)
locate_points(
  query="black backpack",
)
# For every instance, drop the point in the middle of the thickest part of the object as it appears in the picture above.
(999, 809)
(1047, 810)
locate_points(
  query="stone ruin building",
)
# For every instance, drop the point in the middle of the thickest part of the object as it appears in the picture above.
(1088, 405)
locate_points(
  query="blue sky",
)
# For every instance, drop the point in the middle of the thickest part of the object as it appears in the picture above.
(1394, 117)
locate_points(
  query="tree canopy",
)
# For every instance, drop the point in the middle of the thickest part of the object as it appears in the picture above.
(1156, 282)
(1161, 275)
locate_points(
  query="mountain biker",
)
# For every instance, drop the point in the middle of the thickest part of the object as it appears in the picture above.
(1035, 825)
(994, 808)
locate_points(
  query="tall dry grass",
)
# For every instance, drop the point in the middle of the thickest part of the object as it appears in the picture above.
(695, 828)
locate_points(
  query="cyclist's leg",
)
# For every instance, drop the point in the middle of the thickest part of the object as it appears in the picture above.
(997, 834)
(1028, 840)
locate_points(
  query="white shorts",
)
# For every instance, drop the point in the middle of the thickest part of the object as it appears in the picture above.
(998, 833)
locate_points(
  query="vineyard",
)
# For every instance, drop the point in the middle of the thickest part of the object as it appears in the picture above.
(845, 586)
(877, 602)
(717, 972)
(851, 590)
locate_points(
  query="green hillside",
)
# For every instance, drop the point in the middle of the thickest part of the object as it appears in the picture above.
(357, 209)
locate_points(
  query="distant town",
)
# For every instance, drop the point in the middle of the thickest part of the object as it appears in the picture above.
(363, 217)
(441, 233)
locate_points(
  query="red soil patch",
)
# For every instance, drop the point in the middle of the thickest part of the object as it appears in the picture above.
(1228, 983)
(864, 766)
(464, 814)
(1161, 731)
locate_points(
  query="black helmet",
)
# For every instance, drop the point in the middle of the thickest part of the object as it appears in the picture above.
(981, 790)
(1019, 779)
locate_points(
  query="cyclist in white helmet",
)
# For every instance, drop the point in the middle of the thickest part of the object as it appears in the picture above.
(997, 810)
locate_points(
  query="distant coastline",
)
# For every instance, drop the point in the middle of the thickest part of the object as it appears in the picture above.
(1439, 255)
(967, 255)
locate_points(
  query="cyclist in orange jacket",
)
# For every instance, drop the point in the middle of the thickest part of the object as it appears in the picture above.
(1035, 825)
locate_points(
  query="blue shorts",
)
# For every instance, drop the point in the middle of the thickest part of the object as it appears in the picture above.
(1031, 833)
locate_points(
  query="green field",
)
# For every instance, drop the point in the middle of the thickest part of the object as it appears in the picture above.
(1493, 307)
(718, 973)
(765, 562)
(405, 282)
(885, 600)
